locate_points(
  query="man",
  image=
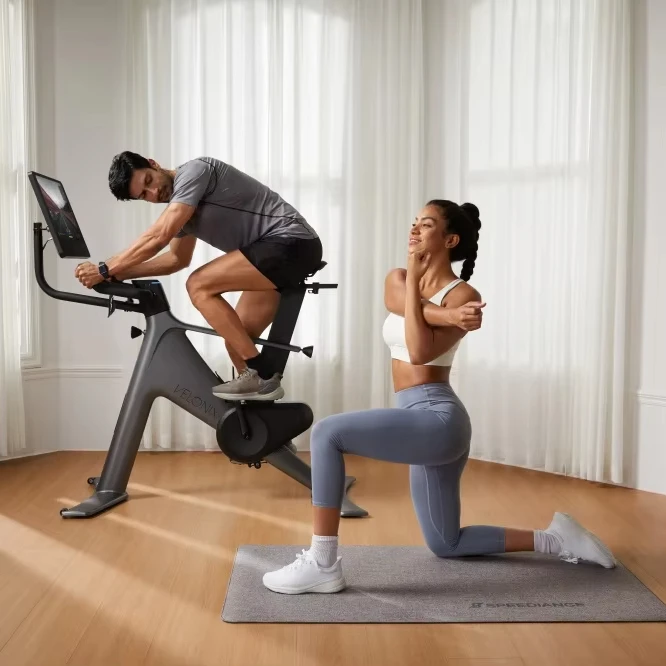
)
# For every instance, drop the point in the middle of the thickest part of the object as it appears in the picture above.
(267, 244)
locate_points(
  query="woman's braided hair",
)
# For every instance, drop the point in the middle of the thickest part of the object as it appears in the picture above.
(463, 221)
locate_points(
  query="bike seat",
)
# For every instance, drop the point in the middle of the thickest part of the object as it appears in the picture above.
(321, 265)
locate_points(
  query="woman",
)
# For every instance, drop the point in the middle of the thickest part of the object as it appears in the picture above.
(430, 429)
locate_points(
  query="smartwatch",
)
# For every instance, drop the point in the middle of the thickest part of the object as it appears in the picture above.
(104, 270)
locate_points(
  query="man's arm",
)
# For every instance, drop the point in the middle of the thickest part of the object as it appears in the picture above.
(175, 259)
(467, 316)
(154, 239)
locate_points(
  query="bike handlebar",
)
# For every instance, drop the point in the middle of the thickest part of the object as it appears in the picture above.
(113, 289)
(121, 289)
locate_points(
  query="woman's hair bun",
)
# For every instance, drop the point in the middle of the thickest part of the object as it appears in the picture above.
(473, 213)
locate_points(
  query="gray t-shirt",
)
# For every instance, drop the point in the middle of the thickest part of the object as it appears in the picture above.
(232, 208)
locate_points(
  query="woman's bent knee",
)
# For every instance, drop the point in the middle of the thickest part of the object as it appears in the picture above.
(441, 548)
(324, 434)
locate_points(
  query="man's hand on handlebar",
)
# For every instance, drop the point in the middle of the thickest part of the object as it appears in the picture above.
(88, 274)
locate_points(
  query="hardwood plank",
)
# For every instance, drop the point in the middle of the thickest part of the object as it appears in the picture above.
(469, 641)
(563, 644)
(516, 661)
(24, 582)
(645, 642)
(57, 622)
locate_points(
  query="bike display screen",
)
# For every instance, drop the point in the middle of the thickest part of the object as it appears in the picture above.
(59, 216)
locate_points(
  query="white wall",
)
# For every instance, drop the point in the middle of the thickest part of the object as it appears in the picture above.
(647, 383)
(89, 112)
(80, 64)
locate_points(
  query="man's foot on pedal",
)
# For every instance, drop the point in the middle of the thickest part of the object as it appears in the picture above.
(250, 386)
(304, 575)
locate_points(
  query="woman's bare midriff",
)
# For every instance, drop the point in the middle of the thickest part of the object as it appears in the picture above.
(406, 375)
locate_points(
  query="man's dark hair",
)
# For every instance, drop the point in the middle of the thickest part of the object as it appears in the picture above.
(120, 173)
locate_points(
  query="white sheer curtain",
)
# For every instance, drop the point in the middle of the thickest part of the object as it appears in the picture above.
(14, 42)
(357, 111)
(322, 100)
(538, 138)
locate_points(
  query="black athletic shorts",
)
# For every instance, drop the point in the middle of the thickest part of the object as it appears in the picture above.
(285, 261)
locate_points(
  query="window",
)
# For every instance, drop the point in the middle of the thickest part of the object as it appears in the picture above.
(526, 163)
(16, 159)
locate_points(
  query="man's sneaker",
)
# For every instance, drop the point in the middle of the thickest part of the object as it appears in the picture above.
(578, 543)
(304, 575)
(250, 386)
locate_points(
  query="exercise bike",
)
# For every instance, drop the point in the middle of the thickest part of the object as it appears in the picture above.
(168, 366)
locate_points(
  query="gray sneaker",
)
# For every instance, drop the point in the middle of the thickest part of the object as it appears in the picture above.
(250, 386)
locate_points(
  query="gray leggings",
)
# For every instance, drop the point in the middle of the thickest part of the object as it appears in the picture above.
(430, 431)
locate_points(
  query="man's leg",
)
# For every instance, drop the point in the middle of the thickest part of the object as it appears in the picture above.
(233, 272)
(256, 310)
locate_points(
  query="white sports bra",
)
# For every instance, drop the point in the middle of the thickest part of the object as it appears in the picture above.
(394, 333)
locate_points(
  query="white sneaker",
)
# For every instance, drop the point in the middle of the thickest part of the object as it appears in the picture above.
(305, 575)
(578, 543)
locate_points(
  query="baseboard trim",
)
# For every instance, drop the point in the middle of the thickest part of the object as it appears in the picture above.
(75, 372)
(651, 399)
(27, 454)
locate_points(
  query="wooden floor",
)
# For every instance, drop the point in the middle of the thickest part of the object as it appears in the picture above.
(145, 582)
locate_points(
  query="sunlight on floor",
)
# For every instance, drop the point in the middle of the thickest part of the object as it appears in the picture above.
(297, 525)
(88, 582)
(218, 553)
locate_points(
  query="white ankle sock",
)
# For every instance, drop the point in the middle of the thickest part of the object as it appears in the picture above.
(324, 549)
(547, 542)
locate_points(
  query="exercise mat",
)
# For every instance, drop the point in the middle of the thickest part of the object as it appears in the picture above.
(408, 584)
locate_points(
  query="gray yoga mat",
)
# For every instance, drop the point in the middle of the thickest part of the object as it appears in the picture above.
(405, 584)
